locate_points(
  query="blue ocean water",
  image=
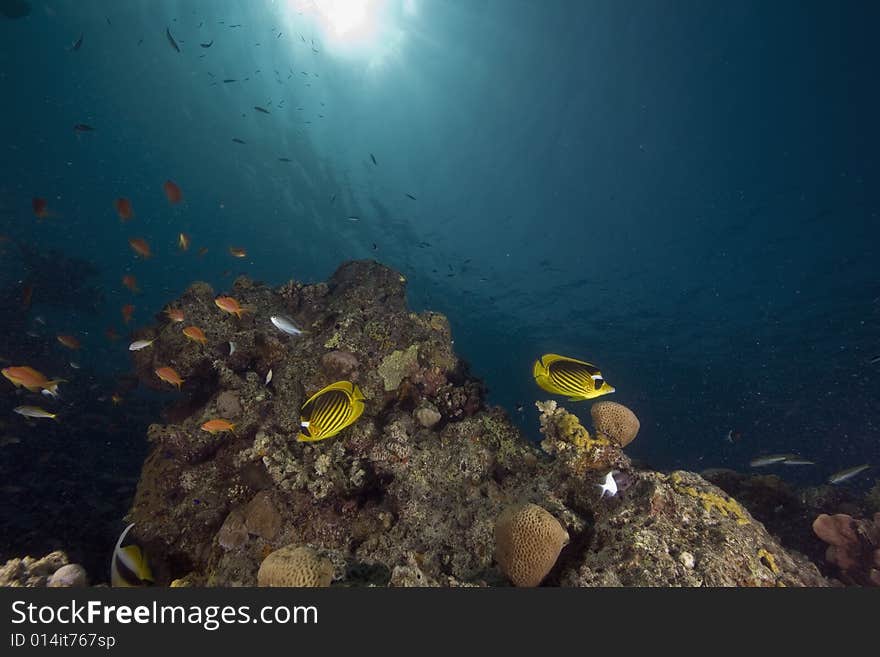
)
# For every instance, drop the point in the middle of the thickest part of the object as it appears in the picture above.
(684, 193)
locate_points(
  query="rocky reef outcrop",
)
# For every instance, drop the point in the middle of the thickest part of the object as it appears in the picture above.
(411, 493)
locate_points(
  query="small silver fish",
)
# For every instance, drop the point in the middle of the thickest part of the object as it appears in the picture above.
(137, 345)
(74, 365)
(770, 459)
(798, 461)
(34, 411)
(845, 475)
(268, 377)
(285, 324)
(231, 347)
(50, 393)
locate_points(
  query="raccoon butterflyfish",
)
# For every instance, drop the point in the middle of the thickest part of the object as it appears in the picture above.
(330, 410)
(128, 566)
(575, 379)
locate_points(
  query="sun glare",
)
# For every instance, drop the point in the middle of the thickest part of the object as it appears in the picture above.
(344, 16)
(367, 31)
(350, 23)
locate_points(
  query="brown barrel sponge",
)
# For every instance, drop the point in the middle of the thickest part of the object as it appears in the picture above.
(527, 543)
(295, 566)
(615, 421)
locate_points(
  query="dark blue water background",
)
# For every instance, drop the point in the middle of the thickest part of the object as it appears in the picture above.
(684, 193)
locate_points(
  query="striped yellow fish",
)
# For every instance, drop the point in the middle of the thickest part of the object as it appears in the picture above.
(575, 379)
(329, 411)
(129, 566)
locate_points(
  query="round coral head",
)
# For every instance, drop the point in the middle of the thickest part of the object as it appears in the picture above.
(615, 421)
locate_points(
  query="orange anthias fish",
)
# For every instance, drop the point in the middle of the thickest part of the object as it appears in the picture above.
(123, 209)
(237, 252)
(127, 311)
(130, 282)
(27, 377)
(196, 334)
(172, 191)
(229, 305)
(69, 341)
(168, 375)
(27, 295)
(174, 314)
(183, 242)
(218, 425)
(203, 250)
(41, 208)
(140, 247)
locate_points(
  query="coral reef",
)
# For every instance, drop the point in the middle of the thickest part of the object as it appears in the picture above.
(853, 546)
(410, 494)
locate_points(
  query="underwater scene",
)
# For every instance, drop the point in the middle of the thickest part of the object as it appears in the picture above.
(439, 293)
